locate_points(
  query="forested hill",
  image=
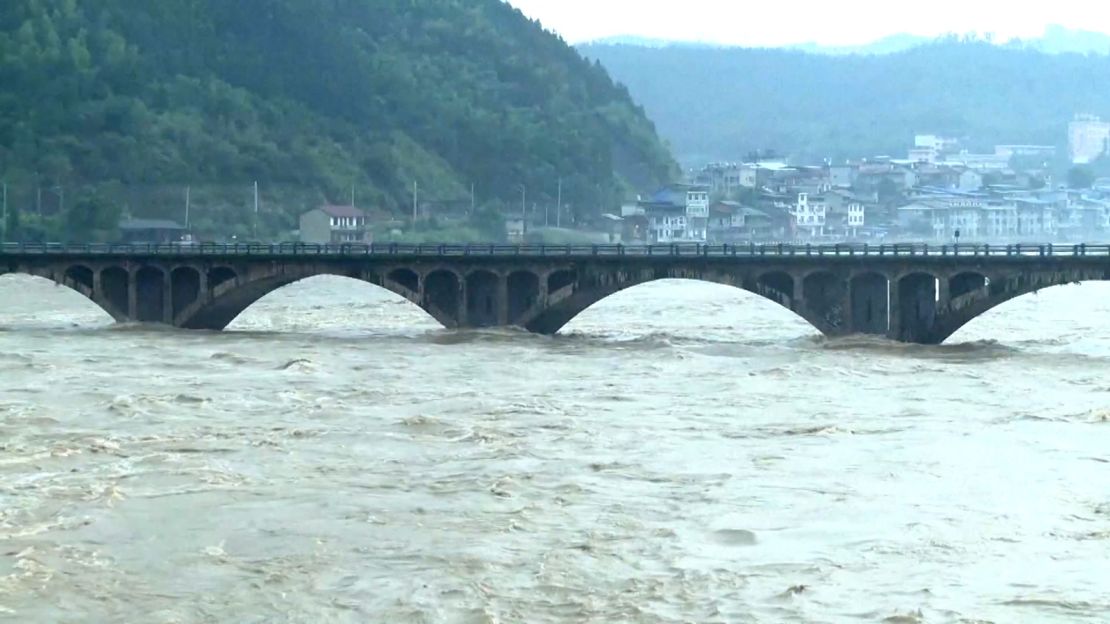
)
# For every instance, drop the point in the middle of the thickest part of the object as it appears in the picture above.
(312, 94)
(723, 103)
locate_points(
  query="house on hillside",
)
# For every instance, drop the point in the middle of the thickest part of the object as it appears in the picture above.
(809, 215)
(734, 223)
(678, 213)
(846, 213)
(328, 225)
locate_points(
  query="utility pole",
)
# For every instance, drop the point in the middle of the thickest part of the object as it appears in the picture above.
(188, 191)
(352, 196)
(415, 196)
(559, 209)
(256, 197)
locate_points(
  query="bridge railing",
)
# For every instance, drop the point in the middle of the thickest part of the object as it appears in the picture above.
(544, 250)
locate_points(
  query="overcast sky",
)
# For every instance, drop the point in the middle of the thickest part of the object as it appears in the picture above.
(835, 22)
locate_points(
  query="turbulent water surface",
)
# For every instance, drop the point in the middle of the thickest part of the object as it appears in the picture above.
(681, 453)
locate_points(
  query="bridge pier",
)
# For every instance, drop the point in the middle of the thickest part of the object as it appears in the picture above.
(869, 304)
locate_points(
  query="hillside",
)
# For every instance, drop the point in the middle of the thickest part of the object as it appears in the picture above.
(121, 105)
(723, 103)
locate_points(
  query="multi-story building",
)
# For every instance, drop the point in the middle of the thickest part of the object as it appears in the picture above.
(809, 214)
(1088, 138)
(721, 178)
(1000, 220)
(334, 224)
(677, 214)
(943, 215)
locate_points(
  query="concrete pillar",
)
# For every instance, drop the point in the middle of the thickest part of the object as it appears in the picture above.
(461, 314)
(167, 297)
(503, 300)
(205, 295)
(798, 297)
(894, 322)
(544, 294)
(868, 304)
(847, 319)
(916, 309)
(944, 297)
(132, 293)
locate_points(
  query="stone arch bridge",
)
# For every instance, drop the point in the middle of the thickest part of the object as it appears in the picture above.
(909, 293)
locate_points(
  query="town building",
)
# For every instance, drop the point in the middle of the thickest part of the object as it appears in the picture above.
(152, 231)
(514, 229)
(677, 214)
(335, 225)
(809, 215)
(1088, 138)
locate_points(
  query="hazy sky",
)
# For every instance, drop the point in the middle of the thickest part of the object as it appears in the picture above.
(778, 22)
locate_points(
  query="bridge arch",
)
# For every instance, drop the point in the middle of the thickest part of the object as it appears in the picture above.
(562, 311)
(1001, 290)
(523, 293)
(71, 289)
(185, 287)
(406, 278)
(967, 282)
(81, 275)
(777, 286)
(560, 279)
(115, 286)
(220, 275)
(991, 308)
(442, 295)
(217, 308)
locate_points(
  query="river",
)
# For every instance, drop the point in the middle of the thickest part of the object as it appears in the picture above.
(682, 452)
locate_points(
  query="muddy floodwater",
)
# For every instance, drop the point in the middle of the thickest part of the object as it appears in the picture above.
(682, 452)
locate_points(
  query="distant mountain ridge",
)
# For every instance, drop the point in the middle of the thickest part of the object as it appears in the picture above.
(724, 103)
(1055, 40)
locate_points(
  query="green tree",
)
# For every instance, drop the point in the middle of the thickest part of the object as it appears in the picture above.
(316, 97)
(92, 218)
(1081, 177)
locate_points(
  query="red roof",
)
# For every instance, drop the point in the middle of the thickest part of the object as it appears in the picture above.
(342, 211)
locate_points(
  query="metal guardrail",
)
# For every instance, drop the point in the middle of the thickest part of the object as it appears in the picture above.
(497, 250)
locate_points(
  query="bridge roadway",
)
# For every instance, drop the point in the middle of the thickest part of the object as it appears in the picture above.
(909, 292)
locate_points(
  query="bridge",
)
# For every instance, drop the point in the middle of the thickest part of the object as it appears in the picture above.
(909, 292)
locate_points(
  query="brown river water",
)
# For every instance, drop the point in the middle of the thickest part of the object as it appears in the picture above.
(682, 452)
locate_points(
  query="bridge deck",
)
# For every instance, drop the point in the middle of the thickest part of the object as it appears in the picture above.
(686, 250)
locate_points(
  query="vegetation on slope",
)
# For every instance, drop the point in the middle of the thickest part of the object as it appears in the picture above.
(124, 104)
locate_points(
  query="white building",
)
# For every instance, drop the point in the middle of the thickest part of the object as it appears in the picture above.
(676, 214)
(857, 216)
(697, 215)
(1088, 137)
(809, 214)
(1001, 220)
